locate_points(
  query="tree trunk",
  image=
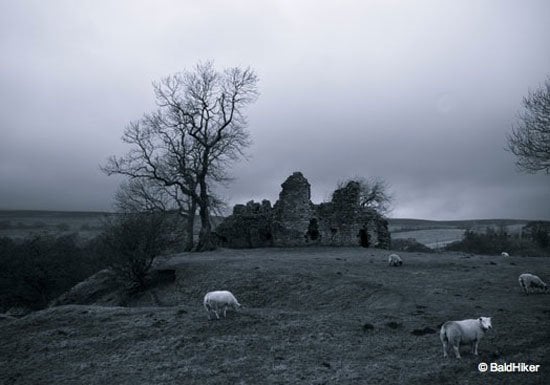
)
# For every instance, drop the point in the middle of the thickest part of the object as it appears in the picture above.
(206, 242)
(190, 226)
(205, 235)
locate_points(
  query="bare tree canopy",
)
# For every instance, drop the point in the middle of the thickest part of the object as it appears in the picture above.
(374, 193)
(529, 140)
(140, 195)
(187, 145)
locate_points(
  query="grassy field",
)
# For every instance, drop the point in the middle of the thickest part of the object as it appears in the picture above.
(433, 238)
(312, 316)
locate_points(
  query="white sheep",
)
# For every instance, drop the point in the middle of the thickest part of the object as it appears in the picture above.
(466, 331)
(531, 282)
(505, 254)
(216, 301)
(395, 260)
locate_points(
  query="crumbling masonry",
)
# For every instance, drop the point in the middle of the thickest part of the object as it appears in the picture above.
(295, 221)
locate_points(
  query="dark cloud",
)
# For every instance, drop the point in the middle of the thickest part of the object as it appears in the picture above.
(419, 93)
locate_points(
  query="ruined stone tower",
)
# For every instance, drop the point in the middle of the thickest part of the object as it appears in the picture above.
(295, 221)
(292, 212)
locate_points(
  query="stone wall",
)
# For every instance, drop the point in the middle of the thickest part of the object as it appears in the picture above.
(295, 221)
(249, 226)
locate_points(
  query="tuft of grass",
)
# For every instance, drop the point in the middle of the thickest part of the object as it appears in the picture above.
(394, 325)
(422, 332)
(368, 326)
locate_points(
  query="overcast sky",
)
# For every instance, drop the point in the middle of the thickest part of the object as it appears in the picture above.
(420, 93)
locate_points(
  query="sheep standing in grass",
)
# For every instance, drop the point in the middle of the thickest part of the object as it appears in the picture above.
(466, 331)
(505, 254)
(395, 260)
(216, 301)
(531, 282)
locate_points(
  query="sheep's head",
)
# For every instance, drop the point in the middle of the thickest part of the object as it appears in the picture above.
(539, 285)
(485, 323)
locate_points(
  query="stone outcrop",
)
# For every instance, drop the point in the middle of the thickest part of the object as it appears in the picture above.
(295, 221)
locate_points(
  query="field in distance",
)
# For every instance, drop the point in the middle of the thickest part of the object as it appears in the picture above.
(311, 316)
(438, 234)
(18, 224)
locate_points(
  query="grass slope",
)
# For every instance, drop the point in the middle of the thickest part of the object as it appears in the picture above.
(312, 316)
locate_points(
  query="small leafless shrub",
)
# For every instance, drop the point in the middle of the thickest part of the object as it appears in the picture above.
(132, 241)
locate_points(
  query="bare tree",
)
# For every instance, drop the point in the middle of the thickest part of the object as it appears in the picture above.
(198, 130)
(374, 193)
(149, 196)
(529, 139)
(161, 168)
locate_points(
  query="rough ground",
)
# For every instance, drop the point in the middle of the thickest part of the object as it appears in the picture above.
(312, 316)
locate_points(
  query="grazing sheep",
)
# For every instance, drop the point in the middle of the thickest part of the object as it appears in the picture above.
(466, 331)
(531, 282)
(505, 254)
(395, 260)
(216, 301)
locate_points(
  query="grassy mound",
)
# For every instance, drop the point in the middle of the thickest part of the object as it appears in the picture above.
(312, 316)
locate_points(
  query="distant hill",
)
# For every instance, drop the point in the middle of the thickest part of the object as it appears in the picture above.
(88, 224)
(438, 234)
(22, 223)
(408, 224)
(47, 213)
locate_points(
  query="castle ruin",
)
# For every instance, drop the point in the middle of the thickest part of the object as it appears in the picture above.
(295, 221)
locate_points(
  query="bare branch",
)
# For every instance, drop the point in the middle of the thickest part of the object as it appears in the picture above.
(529, 139)
(374, 194)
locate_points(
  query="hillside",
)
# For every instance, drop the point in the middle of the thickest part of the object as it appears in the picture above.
(407, 224)
(312, 316)
(18, 224)
(438, 234)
